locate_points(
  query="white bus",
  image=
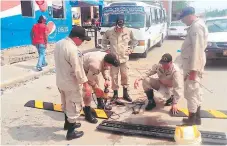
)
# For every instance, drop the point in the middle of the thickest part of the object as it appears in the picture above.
(148, 23)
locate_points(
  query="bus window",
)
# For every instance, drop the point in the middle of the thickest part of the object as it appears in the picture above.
(58, 9)
(161, 16)
(156, 16)
(152, 16)
(27, 8)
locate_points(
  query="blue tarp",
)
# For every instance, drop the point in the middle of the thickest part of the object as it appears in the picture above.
(76, 3)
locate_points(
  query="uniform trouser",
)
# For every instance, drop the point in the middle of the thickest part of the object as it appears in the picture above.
(161, 92)
(72, 103)
(93, 81)
(193, 92)
(123, 68)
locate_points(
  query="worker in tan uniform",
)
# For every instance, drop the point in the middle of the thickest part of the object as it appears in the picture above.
(168, 85)
(193, 62)
(119, 38)
(94, 64)
(72, 81)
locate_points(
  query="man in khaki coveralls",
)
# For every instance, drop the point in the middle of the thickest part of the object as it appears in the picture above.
(193, 62)
(119, 38)
(71, 80)
(168, 85)
(94, 64)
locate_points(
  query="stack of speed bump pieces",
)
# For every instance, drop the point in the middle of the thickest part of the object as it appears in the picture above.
(99, 113)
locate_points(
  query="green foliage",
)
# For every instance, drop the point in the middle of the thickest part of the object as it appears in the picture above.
(179, 5)
(216, 13)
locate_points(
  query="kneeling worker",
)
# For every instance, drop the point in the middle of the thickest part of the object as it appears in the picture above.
(71, 79)
(94, 64)
(168, 84)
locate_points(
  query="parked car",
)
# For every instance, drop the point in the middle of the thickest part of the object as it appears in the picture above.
(177, 29)
(217, 38)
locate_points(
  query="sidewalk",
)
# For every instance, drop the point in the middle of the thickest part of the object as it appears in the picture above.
(24, 71)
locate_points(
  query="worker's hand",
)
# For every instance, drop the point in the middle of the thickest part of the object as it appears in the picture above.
(136, 83)
(174, 109)
(99, 92)
(87, 90)
(129, 51)
(107, 83)
(108, 51)
(192, 75)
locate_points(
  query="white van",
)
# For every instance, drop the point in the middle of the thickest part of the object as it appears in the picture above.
(148, 23)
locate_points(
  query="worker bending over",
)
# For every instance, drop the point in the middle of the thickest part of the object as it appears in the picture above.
(94, 64)
(119, 38)
(168, 84)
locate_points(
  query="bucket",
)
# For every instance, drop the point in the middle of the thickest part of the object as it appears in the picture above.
(187, 135)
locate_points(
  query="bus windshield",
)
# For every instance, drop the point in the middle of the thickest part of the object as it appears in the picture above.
(131, 20)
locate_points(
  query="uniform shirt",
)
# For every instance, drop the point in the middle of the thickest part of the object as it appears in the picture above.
(70, 73)
(94, 64)
(39, 32)
(119, 42)
(193, 49)
(171, 78)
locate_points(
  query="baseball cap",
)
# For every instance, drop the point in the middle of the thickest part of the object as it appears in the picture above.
(186, 11)
(120, 21)
(166, 58)
(112, 59)
(78, 31)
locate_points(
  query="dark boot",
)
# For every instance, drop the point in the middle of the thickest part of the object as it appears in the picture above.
(169, 101)
(126, 96)
(151, 103)
(88, 115)
(66, 125)
(198, 118)
(115, 96)
(191, 120)
(71, 134)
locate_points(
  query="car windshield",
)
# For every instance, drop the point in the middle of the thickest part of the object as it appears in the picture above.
(131, 20)
(177, 24)
(218, 25)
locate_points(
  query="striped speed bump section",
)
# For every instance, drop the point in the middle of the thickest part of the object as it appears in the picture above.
(99, 113)
(219, 114)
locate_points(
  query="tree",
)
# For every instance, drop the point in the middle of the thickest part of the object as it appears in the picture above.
(179, 5)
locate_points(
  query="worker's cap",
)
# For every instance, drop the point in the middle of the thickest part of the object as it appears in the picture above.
(120, 21)
(166, 58)
(112, 59)
(186, 11)
(78, 31)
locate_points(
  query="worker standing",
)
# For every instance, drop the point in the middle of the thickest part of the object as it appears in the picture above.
(94, 64)
(119, 38)
(168, 85)
(71, 80)
(193, 62)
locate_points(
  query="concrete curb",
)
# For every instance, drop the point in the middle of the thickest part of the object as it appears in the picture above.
(23, 79)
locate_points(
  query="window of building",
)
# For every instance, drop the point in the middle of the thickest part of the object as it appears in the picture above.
(27, 8)
(58, 9)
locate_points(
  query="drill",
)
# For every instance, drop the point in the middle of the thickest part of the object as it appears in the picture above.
(106, 91)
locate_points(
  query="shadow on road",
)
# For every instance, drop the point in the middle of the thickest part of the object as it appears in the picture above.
(30, 67)
(58, 116)
(175, 38)
(216, 65)
(35, 133)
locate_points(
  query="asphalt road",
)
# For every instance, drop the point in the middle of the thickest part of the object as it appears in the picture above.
(23, 125)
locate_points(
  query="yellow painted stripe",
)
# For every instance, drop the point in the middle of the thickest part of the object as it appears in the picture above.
(101, 113)
(38, 104)
(57, 107)
(185, 111)
(217, 114)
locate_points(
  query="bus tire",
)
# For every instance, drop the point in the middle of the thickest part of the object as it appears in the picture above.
(144, 55)
(159, 44)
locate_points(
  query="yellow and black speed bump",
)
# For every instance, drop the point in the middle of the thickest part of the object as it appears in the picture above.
(219, 114)
(99, 113)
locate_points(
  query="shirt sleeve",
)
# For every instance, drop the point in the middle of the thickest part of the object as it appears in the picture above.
(197, 41)
(151, 71)
(76, 62)
(105, 74)
(177, 86)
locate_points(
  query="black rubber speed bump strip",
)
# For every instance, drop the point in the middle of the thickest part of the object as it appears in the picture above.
(99, 113)
(218, 114)
(216, 138)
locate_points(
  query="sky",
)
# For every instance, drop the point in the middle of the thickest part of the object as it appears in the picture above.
(201, 5)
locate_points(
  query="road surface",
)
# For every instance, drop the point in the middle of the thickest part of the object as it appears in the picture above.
(22, 125)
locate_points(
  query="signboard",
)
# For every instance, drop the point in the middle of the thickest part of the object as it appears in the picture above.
(123, 10)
